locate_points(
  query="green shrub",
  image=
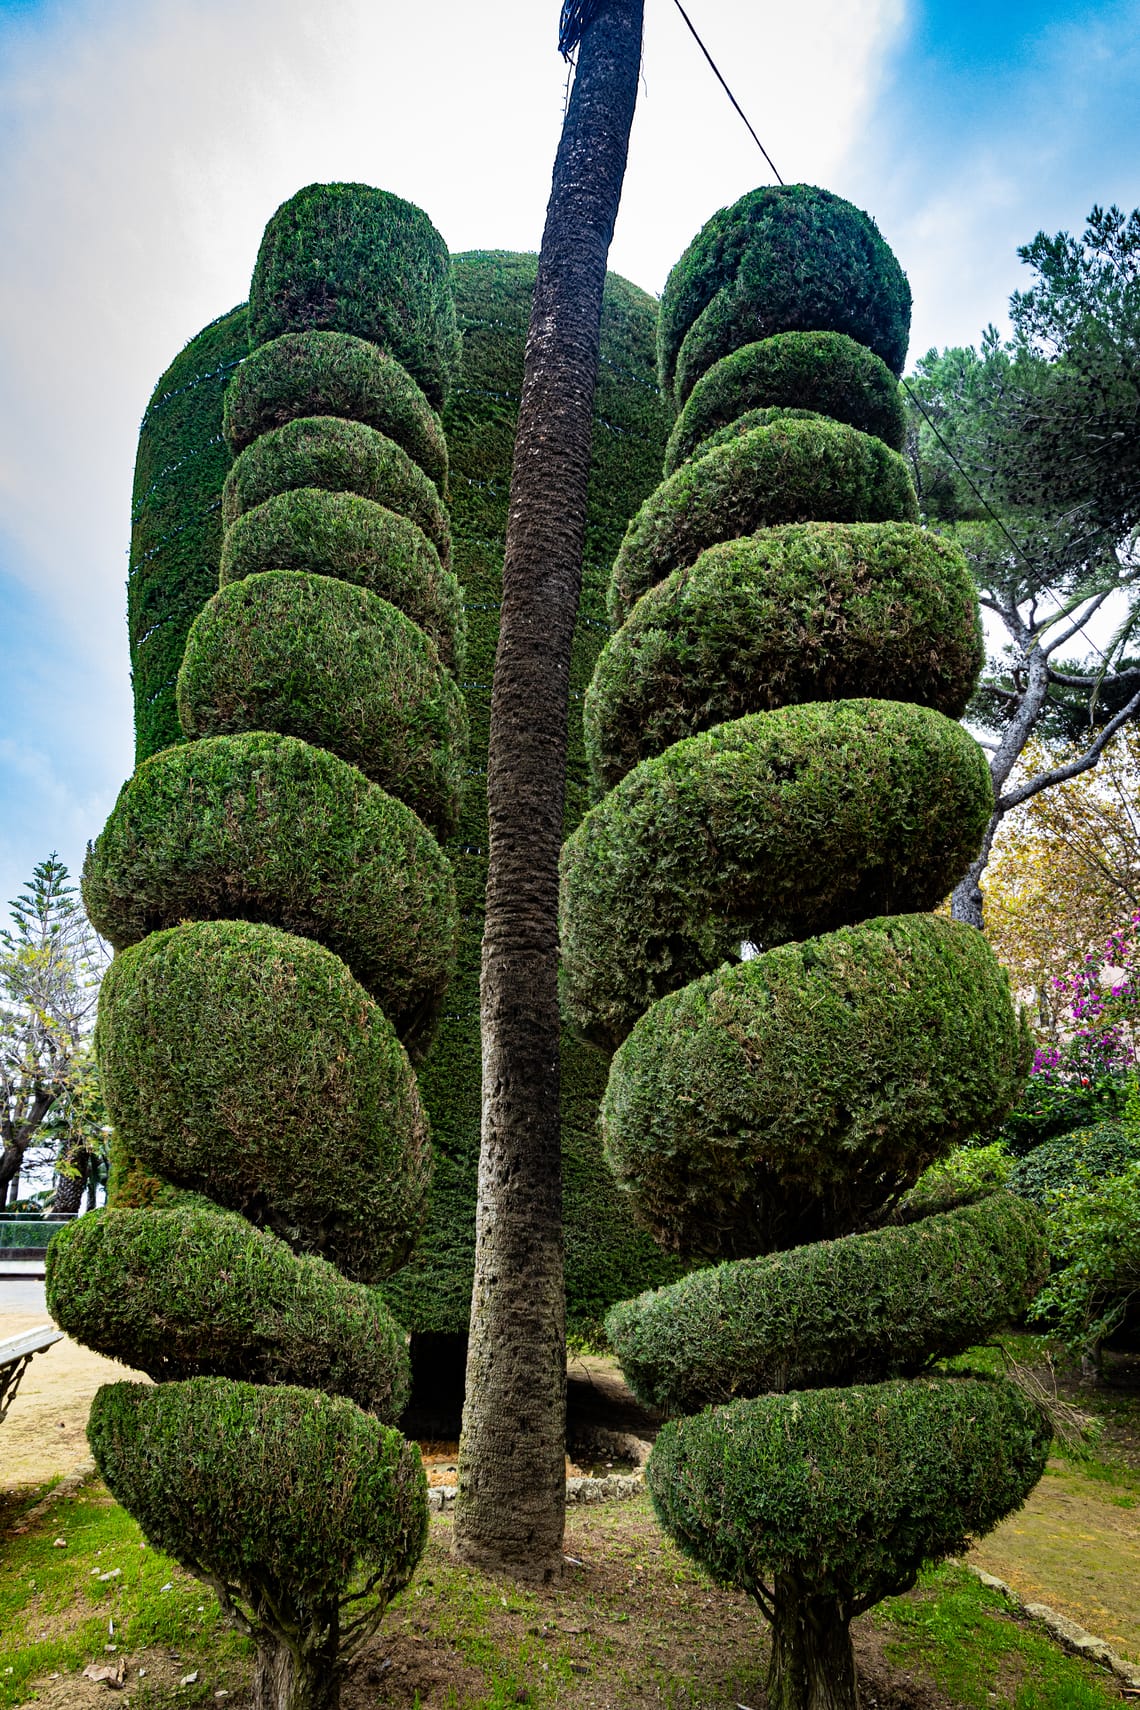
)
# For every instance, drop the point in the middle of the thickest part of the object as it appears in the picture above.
(856, 1310)
(822, 371)
(806, 612)
(1094, 1237)
(337, 666)
(356, 540)
(782, 259)
(291, 1502)
(176, 519)
(790, 471)
(349, 258)
(248, 1065)
(1067, 1161)
(267, 828)
(737, 1105)
(846, 1490)
(777, 826)
(333, 374)
(964, 1176)
(201, 1293)
(341, 457)
(764, 417)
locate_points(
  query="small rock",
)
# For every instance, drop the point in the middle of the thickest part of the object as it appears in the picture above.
(113, 1574)
(59, 1543)
(188, 1679)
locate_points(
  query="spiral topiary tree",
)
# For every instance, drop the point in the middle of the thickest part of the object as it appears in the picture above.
(285, 923)
(774, 723)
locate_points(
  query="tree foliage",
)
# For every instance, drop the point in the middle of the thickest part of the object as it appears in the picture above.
(51, 964)
(1026, 451)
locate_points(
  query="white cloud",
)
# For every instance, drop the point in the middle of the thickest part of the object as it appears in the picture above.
(145, 147)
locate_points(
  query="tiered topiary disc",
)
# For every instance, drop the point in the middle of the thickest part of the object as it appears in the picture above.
(285, 924)
(771, 1111)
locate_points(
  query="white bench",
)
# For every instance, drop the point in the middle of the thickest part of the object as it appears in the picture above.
(16, 1356)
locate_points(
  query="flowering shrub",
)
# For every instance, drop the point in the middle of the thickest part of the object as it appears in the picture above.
(1085, 1078)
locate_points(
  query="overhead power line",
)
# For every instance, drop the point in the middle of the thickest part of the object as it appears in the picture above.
(727, 90)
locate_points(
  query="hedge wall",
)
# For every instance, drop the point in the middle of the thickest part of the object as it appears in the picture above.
(607, 1256)
(176, 519)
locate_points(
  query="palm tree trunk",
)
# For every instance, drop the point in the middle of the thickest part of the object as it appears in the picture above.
(510, 1510)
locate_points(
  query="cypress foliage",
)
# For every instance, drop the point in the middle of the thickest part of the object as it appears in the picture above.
(358, 540)
(244, 1062)
(607, 1253)
(781, 1105)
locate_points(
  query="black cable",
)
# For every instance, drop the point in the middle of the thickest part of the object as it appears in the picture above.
(727, 90)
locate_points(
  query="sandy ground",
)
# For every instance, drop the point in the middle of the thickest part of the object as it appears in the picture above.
(45, 1433)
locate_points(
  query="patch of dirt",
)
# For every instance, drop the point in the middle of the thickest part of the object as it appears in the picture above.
(149, 1677)
(45, 1432)
(630, 1625)
(1075, 1546)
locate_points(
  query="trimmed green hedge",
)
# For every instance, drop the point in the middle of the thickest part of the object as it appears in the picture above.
(856, 1310)
(333, 374)
(846, 1490)
(248, 1065)
(270, 1488)
(349, 258)
(805, 612)
(783, 258)
(822, 371)
(790, 471)
(356, 540)
(199, 1293)
(777, 826)
(341, 457)
(317, 658)
(607, 1256)
(765, 417)
(267, 828)
(176, 519)
(792, 1097)
(1077, 1160)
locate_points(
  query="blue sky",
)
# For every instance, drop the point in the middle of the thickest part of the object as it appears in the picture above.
(145, 145)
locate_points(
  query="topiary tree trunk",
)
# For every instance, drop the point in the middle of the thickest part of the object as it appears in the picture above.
(774, 723)
(285, 926)
(511, 1502)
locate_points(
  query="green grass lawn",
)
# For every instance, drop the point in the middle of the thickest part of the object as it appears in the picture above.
(634, 1623)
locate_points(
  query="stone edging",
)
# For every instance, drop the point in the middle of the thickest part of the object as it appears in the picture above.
(615, 1487)
(1067, 1634)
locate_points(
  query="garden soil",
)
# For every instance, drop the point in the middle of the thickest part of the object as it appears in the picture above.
(44, 1436)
